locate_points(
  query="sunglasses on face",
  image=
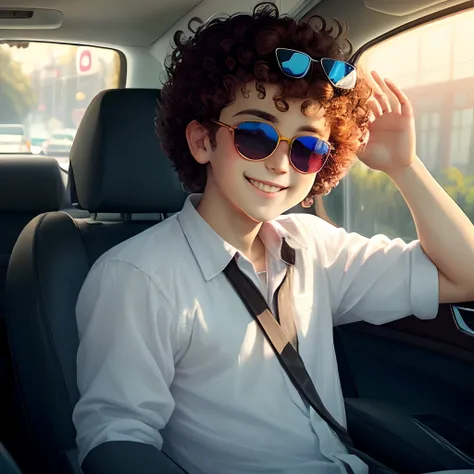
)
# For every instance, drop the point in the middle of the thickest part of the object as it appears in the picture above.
(296, 64)
(257, 141)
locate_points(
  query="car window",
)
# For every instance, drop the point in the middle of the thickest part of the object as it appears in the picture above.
(434, 65)
(45, 89)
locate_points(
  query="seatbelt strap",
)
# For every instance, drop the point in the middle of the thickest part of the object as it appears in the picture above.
(282, 338)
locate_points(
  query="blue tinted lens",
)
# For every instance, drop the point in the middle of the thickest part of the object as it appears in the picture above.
(293, 63)
(255, 140)
(308, 154)
(340, 73)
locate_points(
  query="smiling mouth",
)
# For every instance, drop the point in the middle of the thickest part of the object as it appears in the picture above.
(267, 188)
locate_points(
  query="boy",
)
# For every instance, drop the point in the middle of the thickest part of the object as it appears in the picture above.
(256, 121)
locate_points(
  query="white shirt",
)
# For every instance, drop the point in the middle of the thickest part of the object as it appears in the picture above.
(169, 355)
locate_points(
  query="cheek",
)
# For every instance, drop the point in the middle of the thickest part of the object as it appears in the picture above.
(229, 159)
(303, 183)
(226, 152)
(227, 164)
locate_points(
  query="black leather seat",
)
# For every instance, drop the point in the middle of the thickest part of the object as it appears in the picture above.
(28, 187)
(118, 167)
(7, 464)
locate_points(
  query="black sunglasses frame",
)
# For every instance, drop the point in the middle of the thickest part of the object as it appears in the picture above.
(321, 61)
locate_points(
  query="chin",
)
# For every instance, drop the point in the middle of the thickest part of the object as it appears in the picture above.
(263, 215)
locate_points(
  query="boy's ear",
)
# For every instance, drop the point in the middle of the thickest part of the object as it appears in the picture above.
(199, 142)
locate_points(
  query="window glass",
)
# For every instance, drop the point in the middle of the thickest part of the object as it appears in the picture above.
(436, 71)
(45, 89)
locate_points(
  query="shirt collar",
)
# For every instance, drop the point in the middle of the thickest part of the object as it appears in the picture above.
(213, 253)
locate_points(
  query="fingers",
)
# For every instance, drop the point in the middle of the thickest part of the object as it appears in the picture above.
(385, 95)
(375, 109)
(403, 100)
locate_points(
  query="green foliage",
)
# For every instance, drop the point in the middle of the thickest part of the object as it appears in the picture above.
(16, 93)
(375, 206)
(461, 188)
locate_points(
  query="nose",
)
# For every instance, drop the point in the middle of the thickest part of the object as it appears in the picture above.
(279, 161)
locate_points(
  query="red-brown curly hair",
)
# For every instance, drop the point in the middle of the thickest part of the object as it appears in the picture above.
(206, 70)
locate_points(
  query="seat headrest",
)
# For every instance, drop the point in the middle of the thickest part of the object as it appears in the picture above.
(33, 185)
(117, 161)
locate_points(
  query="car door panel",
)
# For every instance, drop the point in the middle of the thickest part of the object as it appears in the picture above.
(409, 388)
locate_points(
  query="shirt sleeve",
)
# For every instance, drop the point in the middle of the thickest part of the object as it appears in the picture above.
(377, 280)
(125, 361)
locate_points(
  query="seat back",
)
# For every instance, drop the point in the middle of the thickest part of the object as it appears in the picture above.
(28, 187)
(7, 464)
(118, 167)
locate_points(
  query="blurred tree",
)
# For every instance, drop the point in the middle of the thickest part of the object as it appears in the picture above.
(375, 206)
(461, 188)
(17, 97)
(112, 78)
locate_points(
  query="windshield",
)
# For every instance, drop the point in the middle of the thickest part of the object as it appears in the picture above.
(45, 89)
(11, 130)
(62, 136)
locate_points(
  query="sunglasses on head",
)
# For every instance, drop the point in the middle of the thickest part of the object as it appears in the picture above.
(296, 64)
(257, 141)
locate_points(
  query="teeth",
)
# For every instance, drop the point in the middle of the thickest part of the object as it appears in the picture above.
(264, 187)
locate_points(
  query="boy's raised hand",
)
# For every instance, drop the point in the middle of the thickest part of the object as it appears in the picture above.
(391, 142)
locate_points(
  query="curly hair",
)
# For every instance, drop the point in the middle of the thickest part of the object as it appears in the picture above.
(206, 70)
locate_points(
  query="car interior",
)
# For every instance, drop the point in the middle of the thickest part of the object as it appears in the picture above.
(408, 385)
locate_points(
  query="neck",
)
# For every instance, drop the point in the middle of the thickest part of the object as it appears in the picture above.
(235, 227)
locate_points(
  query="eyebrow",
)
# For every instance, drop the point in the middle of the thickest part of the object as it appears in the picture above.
(272, 119)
